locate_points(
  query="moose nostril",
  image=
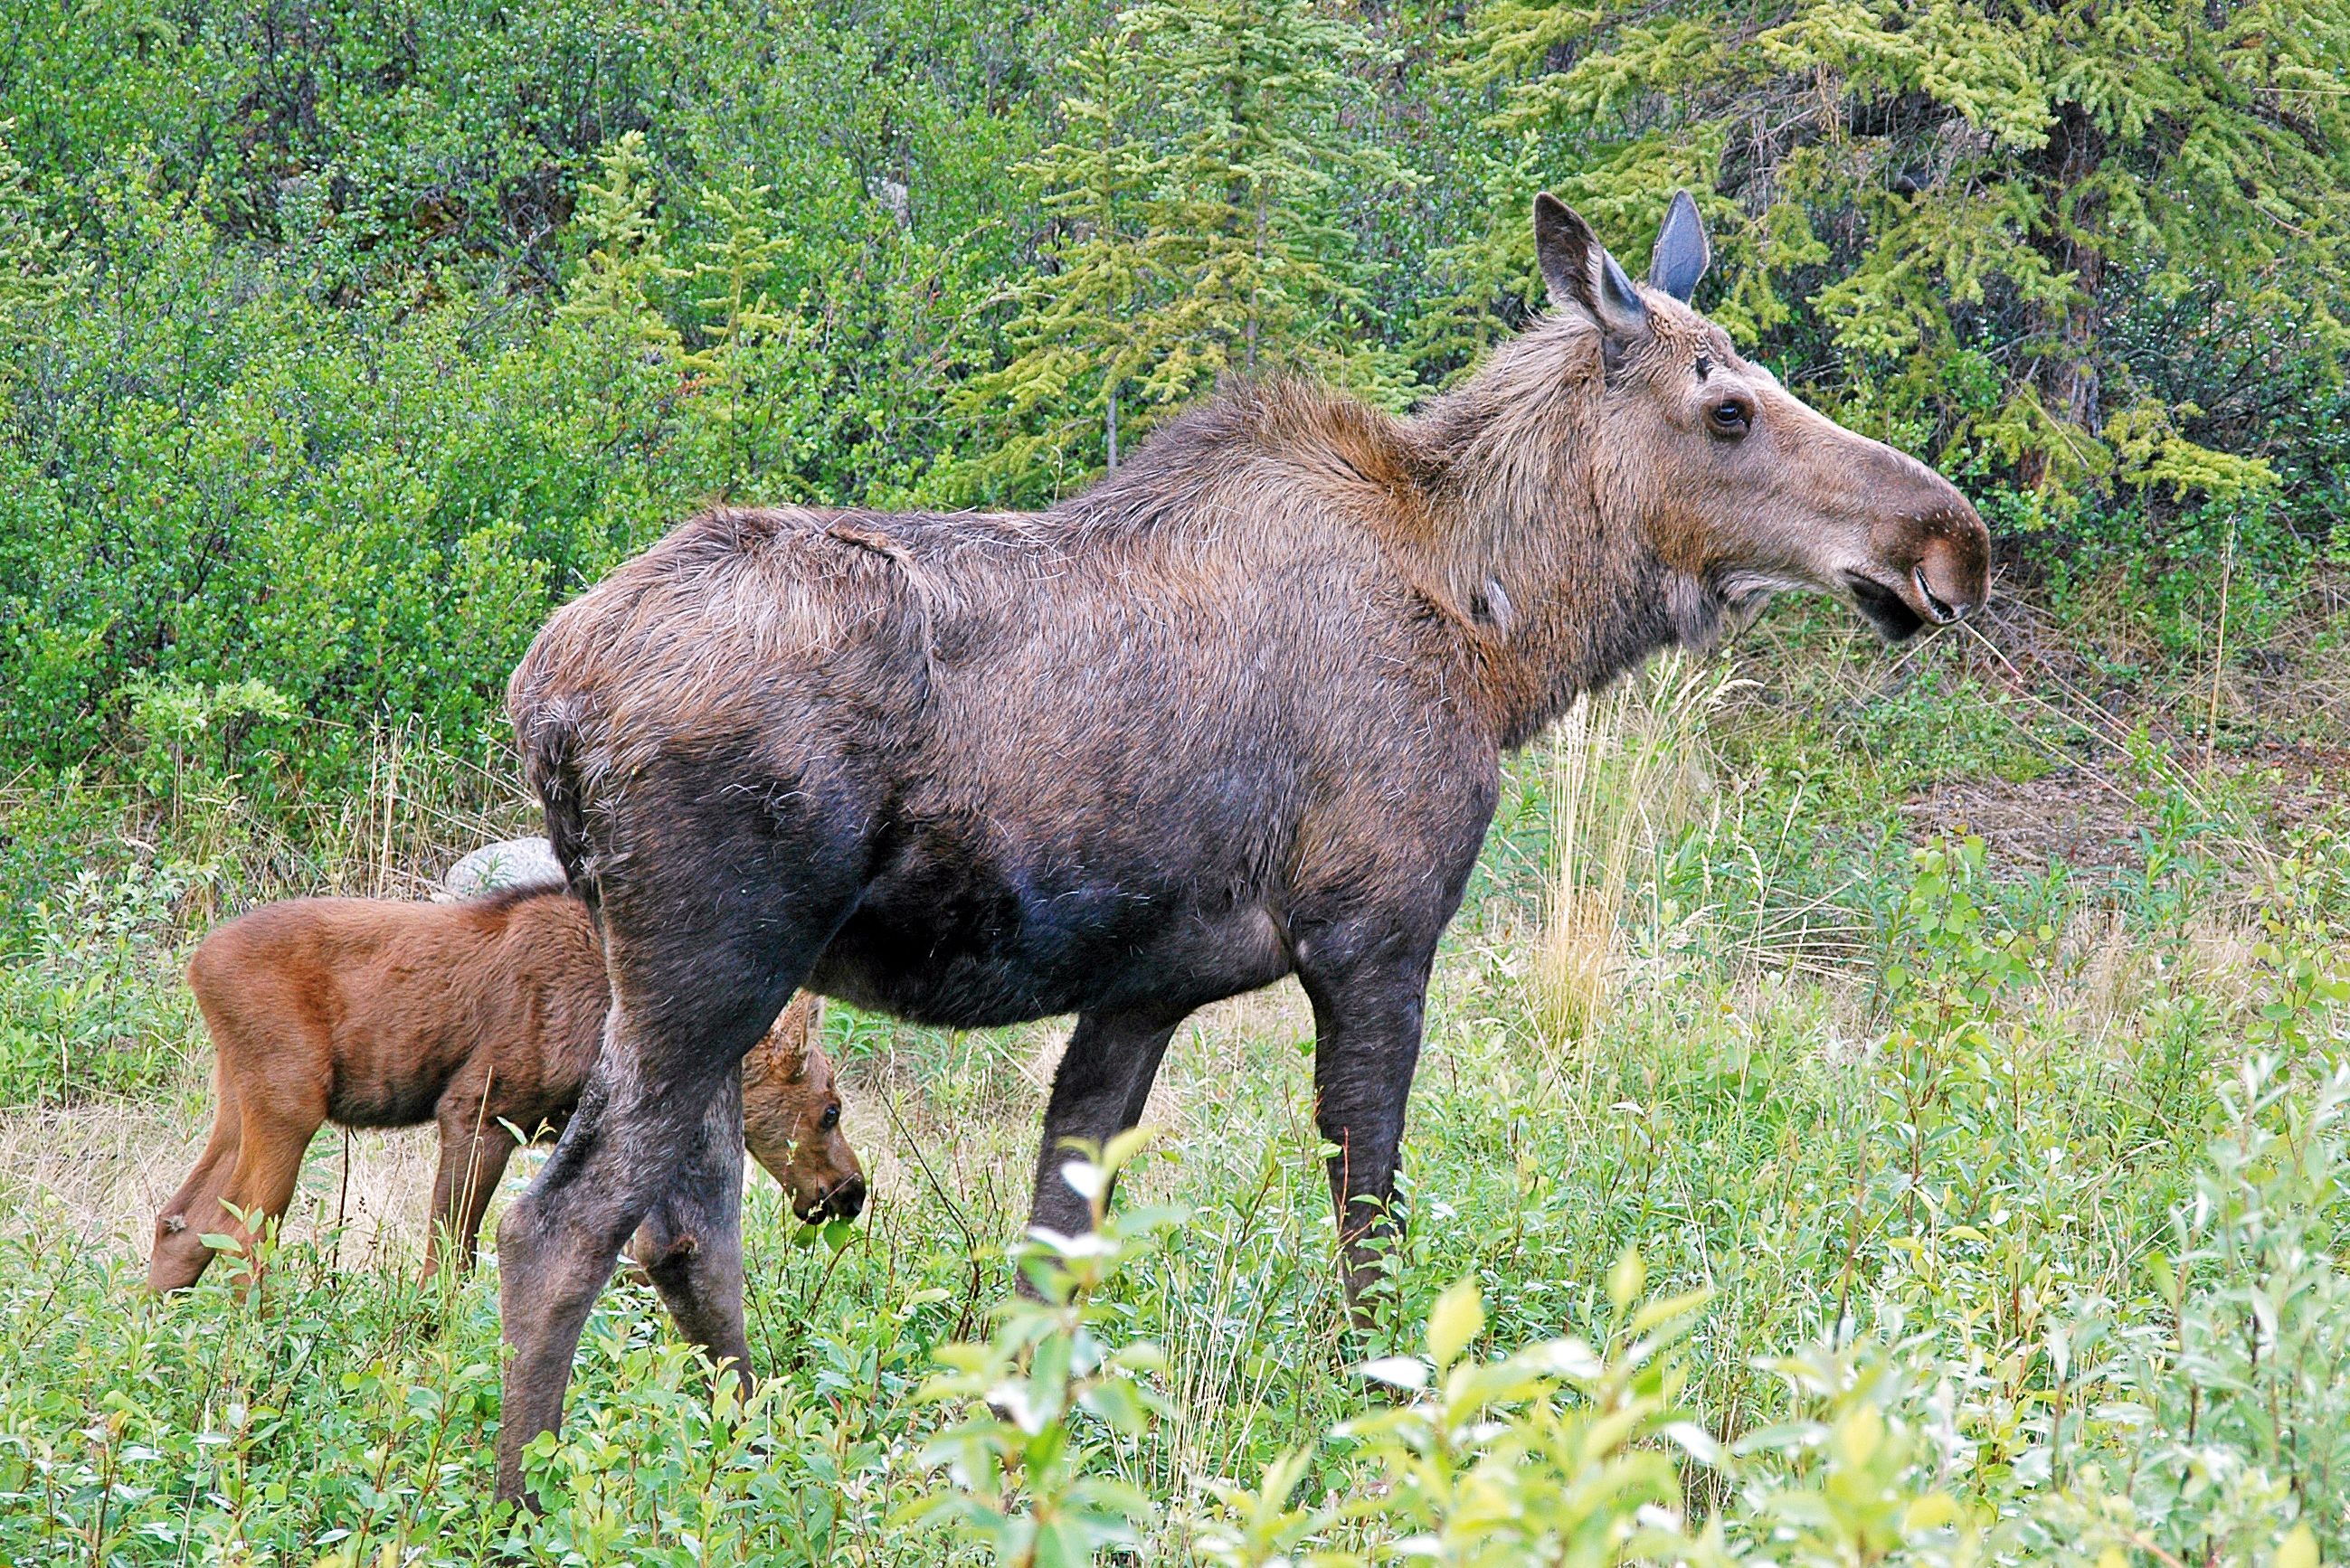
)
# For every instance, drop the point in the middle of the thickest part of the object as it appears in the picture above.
(1941, 610)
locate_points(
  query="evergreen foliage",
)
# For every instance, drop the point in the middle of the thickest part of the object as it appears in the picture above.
(1259, 93)
(1949, 217)
(1192, 197)
(750, 341)
(339, 342)
(614, 283)
(1083, 330)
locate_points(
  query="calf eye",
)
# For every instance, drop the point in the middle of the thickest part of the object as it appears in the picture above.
(831, 1117)
(1729, 417)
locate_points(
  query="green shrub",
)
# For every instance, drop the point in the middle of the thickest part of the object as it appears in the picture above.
(94, 1006)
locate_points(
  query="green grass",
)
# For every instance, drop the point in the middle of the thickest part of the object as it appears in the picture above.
(1997, 1210)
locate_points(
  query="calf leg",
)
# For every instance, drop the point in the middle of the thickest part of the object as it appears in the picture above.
(690, 1245)
(1368, 1019)
(181, 1257)
(474, 1149)
(268, 1164)
(1099, 1091)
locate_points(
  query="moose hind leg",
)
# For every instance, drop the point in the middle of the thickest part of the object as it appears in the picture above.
(1367, 1045)
(690, 1245)
(628, 1144)
(709, 927)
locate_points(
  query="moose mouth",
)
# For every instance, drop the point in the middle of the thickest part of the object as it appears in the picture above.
(1893, 614)
(844, 1199)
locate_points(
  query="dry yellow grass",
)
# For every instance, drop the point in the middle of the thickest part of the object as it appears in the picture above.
(1626, 768)
(104, 1170)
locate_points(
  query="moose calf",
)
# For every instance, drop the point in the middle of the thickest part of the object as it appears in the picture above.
(482, 1016)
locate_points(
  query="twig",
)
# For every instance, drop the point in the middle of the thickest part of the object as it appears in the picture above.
(474, 1160)
(2220, 654)
(954, 1211)
(342, 1199)
(390, 807)
(2023, 690)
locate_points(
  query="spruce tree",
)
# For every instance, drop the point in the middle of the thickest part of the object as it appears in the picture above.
(1950, 216)
(625, 263)
(1194, 232)
(1259, 269)
(37, 271)
(743, 329)
(1081, 328)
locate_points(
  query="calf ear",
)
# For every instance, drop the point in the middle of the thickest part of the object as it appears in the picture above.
(1682, 251)
(1583, 278)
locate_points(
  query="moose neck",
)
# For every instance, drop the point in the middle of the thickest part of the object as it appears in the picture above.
(1537, 537)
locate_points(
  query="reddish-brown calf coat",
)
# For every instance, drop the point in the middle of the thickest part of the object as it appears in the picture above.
(482, 1016)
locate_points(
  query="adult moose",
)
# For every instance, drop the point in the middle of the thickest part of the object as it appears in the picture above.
(1234, 713)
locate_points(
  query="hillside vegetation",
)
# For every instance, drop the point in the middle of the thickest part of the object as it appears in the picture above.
(328, 328)
(1879, 1105)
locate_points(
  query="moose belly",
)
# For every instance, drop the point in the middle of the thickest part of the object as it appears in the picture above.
(961, 949)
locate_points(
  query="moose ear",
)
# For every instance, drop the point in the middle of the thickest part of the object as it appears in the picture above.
(1583, 278)
(1682, 251)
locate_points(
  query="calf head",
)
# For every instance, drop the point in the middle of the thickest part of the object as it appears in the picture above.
(1739, 487)
(791, 1118)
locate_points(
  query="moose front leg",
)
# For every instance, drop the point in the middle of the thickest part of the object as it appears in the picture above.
(1367, 1020)
(1099, 1091)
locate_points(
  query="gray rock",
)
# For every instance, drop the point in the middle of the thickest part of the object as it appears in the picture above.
(510, 862)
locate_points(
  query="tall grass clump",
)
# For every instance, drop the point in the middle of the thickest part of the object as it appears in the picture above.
(1625, 771)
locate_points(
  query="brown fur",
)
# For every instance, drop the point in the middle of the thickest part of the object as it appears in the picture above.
(1234, 713)
(482, 1017)
(1285, 506)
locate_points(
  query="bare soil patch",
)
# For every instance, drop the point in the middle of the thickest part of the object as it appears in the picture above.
(2075, 815)
(2087, 819)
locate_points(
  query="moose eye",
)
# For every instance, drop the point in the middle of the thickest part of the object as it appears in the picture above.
(1728, 417)
(831, 1117)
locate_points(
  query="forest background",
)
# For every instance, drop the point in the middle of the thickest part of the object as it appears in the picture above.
(1879, 1105)
(340, 341)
